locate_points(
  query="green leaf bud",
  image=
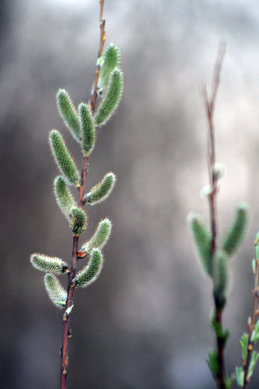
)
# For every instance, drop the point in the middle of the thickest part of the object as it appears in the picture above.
(219, 171)
(202, 239)
(213, 363)
(101, 191)
(252, 364)
(63, 159)
(240, 376)
(206, 192)
(90, 272)
(63, 196)
(68, 311)
(78, 220)
(68, 113)
(56, 292)
(220, 276)
(109, 61)
(244, 345)
(111, 99)
(229, 381)
(237, 230)
(100, 237)
(219, 331)
(87, 128)
(48, 264)
(255, 333)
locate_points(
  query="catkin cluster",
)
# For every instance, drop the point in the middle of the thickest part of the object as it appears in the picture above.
(82, 123)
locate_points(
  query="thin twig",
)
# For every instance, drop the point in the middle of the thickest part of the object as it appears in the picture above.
(251, 324)
(102, 41)
(72, 273)
(210, 105)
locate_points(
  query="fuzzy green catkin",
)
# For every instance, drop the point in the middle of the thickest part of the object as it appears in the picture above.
(102, 190)
(202, 239)
(56, 292)
(100, 237)
(237, 230)
(220, 276)
(87, 128)
(63, 159)
(111, 99)
(68, 113)
(78, 220)
(90, 272)
(63, 196)
(48, 264)
(111, 60)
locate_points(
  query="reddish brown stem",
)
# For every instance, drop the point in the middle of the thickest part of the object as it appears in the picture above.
(67, 314)
(210, 105)
(72, 273)
(82, 183)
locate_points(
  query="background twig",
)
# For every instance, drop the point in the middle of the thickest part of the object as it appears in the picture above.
(210, 106)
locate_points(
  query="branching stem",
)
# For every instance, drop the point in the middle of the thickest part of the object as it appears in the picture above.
(210, 105)
(72, 272)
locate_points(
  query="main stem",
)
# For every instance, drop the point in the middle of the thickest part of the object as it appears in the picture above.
(213, 222)
(210, 105)
(67, 315)
(67, 333)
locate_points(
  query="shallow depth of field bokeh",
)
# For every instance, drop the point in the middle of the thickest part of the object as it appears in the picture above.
(145, 323)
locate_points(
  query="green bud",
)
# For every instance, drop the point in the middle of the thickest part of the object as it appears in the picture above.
(68, 113)
(220, 276)
(213, 363)
(78, 220)
(63, 195)
(109, 61)
(56, 292)
(255, 333)
(63, 159)
(244, 346)
(87, 128)
(100, 237)
(219, 170)
(206, 192)
(240, 376)
(252, 364)
(101, 191)
(90, 272)
(202, 239)
(111, 99)
(237, 230)
(221, 334)
(229, 381)
(48, 264)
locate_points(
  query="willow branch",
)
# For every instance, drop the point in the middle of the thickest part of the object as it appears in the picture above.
(209, 103)
(72, 273)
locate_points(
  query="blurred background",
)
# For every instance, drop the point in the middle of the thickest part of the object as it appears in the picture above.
(145, 323)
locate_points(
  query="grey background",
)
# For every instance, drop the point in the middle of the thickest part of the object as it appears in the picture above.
(145, 323)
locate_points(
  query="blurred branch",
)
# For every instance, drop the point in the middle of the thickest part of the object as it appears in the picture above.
(210, 106)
